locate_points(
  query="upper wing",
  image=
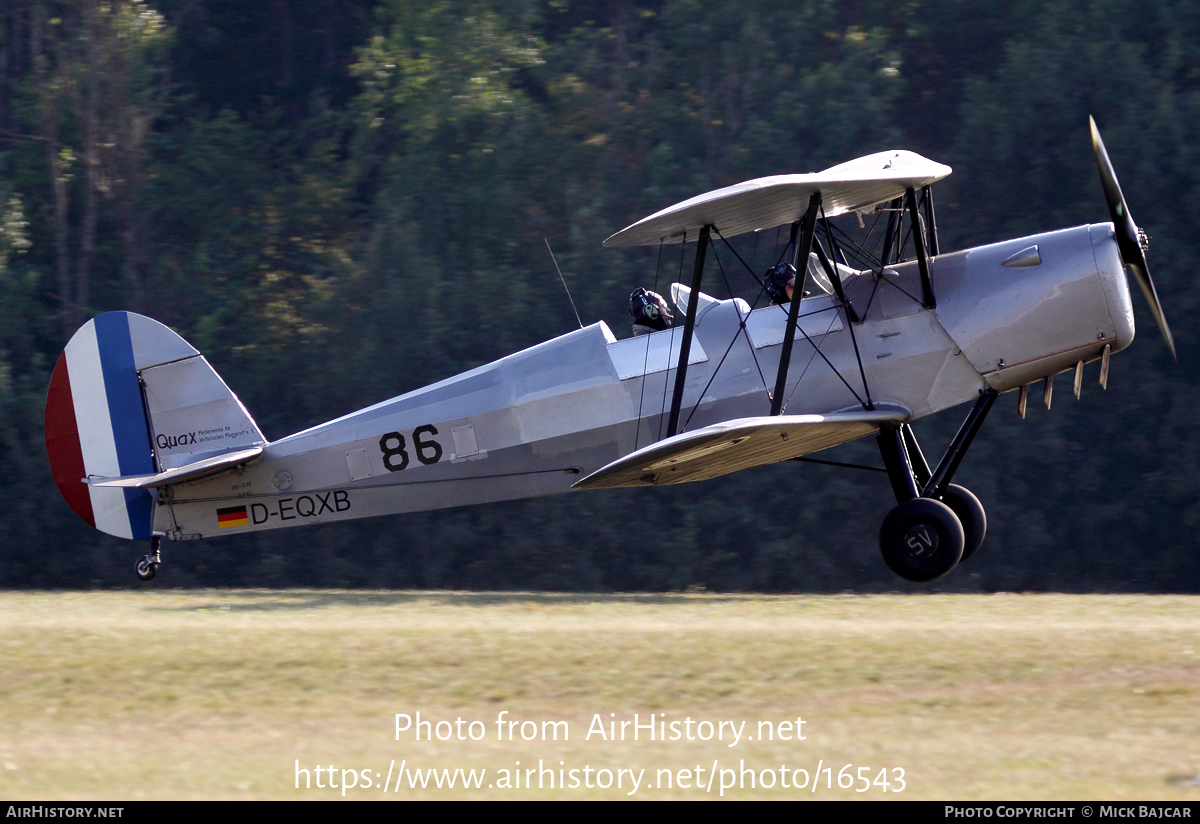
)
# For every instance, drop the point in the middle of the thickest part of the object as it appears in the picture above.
(771, 201)
(739, 444)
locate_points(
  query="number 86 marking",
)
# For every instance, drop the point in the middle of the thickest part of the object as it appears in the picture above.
(395, 455)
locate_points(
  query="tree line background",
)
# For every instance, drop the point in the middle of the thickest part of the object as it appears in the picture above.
(341, 200)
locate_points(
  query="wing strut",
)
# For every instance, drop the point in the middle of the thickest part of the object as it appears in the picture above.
(937, 483)
(689, 328)
(919, 242)
(906, 466)
(930, 222)
(808, 227)
(926, 241)
(890, 238)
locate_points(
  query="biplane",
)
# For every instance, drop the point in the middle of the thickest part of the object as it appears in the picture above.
(147, 442)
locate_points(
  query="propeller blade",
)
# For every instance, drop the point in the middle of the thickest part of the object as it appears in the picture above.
(1128, 240)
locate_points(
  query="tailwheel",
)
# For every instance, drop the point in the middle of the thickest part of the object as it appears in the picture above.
(970, 514)
(146, 568)
(147, 565)
(921, 539)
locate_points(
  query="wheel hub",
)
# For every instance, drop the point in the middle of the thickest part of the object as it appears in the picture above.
(920, 541)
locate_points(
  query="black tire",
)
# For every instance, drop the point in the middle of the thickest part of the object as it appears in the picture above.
(921, 540)
(146, 568)
(970, 514)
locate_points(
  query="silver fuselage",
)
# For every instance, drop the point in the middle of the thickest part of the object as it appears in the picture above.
(536, 421)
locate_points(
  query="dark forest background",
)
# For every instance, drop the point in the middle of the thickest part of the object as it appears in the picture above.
(341, 200)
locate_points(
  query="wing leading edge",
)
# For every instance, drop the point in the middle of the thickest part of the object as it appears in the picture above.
(772, 201)
(739, 444)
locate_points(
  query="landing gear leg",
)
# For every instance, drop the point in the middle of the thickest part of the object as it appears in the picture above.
(917, 540)
(147, 565)
(921, 539)
(960, 499)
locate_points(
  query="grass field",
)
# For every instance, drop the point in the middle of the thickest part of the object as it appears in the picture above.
(217, 694)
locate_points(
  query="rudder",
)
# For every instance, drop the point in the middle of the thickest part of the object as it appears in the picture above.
(129, 397)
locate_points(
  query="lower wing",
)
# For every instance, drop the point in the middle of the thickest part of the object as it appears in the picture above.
(739, 444)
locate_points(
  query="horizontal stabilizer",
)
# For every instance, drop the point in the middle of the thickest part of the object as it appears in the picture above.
(739, 444)
(772, 201)
(191, 472)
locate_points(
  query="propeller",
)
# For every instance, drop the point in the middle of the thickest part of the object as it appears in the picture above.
(1130, 239)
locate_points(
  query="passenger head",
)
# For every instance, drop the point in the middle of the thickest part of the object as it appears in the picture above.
(650, 310)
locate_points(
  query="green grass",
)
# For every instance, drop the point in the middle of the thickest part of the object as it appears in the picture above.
(216, 694)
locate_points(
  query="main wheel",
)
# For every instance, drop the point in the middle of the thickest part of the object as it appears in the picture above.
(146, 568)
(971, 514)
(921, 540)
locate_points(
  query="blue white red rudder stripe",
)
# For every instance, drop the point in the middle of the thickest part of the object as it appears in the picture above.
(96, 427)
(96, 422)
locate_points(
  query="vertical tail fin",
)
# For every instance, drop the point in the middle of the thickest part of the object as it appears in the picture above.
(130, 397)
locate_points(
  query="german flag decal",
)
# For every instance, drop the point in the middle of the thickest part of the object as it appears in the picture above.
(232, 516)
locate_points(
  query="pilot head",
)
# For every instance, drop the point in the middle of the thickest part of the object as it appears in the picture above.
(780, 281)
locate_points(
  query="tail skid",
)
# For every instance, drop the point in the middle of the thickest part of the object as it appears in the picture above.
(131, 406)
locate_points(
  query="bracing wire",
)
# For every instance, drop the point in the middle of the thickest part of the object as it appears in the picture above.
(849, 310)
(564, 281)
(663, 412)
(646, 359)
(741, 330)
